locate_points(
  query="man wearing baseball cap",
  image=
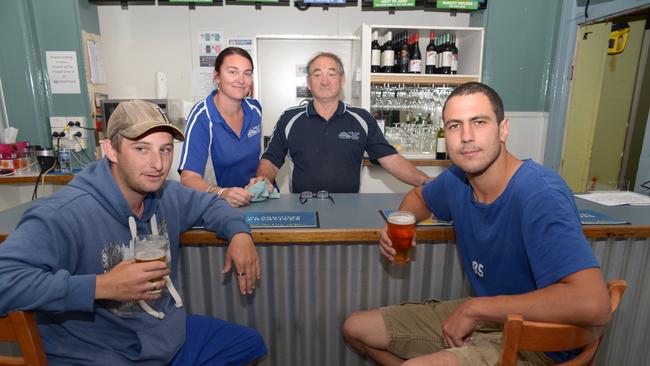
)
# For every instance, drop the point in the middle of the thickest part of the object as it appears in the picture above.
(70, 259)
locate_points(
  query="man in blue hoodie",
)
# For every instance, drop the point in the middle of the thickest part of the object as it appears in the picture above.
(71, 259)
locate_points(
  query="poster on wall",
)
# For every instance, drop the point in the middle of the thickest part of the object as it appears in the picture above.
(210, 44)
(202, 84)
(63, 72)
(97, 74)
(245, 43)
(302, 91)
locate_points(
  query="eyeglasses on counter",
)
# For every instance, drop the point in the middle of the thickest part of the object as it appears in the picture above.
(320, 195)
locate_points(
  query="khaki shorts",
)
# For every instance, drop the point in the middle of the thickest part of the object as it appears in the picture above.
(415, 329)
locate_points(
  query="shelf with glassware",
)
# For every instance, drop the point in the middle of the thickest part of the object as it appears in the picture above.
(405, 87)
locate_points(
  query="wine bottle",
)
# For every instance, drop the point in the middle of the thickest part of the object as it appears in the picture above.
(405, 56)
(441, 145)
(431, 56)
(388, 54)
(415, 66)
(446, 56)
(454, 56)
(439, 52)
(382, 42)
(375, 53)
(396, 47)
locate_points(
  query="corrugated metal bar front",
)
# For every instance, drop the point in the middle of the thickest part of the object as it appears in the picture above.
(627, 340)
(307, 291)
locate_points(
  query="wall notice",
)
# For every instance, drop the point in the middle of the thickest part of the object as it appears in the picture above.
(63, 72)
(210, 44)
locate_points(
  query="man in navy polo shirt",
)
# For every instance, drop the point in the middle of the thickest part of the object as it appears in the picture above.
(326, 139)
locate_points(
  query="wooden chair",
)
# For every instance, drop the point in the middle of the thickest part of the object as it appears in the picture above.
(20, 327)
(519, 334)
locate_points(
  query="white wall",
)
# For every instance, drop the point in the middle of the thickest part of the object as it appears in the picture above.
(527, 135)
(141, 40)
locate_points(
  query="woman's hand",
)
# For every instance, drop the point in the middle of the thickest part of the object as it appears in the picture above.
(255, 180)
(236, 196)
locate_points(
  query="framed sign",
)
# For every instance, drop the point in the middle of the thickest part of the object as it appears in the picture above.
(285, 219)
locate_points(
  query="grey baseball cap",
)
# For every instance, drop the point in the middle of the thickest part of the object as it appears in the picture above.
(134, 118)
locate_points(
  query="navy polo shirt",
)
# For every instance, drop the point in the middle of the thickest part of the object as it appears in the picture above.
(326, 155)
(234, 158)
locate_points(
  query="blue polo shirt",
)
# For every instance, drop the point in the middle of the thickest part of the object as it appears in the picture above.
(326, 155)
(234, 158)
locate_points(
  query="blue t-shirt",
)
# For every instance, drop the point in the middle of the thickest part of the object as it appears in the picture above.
(234, 158)
(530, 237)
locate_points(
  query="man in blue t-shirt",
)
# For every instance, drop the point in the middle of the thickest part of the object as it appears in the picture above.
(326, 139)
(520, 242)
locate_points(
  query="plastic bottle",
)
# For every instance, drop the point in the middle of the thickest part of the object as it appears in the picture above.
(64, 161)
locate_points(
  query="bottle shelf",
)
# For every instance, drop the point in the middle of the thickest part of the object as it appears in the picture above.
(380, 78)
(468, 41)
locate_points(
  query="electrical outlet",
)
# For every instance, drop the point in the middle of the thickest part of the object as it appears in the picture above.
(68, 126)
(79, 142)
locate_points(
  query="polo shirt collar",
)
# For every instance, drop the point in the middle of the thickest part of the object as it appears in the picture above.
(311, 110)
(215, 116)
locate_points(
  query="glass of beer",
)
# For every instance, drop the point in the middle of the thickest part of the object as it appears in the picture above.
(149, 248)
(401, 229)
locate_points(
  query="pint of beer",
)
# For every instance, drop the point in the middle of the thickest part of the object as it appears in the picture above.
(401, 229)
(150, 248)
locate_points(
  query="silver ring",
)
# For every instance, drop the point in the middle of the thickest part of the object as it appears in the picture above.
(241, 273)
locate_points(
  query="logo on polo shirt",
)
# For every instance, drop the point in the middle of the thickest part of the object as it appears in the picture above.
(254, 131)
(349, 135)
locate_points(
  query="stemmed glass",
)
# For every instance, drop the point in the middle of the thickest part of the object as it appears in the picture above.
(423, 103)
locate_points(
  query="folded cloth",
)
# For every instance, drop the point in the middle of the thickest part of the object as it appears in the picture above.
(260, 191)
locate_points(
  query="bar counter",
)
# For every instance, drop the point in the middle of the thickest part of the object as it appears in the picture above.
(355, 218)
(313, 278)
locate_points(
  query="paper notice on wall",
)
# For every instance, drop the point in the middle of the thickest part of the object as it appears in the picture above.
(302, 91)
(97, 74)
(63, 72)
(202, 84)
(210, 44)
(244, 43)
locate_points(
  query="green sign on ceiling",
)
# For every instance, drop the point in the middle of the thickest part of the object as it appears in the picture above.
(457, 4)
(393, 3)
(190, 1)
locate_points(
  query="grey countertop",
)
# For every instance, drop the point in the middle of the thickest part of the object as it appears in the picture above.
(351, 210)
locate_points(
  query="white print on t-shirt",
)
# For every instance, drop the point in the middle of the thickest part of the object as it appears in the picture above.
(478, 268)
(349, 135)
(253, 131)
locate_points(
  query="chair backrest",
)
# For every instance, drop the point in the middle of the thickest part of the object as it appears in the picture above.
(20, 327)
(519, 334)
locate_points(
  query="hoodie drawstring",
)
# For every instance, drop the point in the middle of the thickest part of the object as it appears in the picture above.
(168, 282)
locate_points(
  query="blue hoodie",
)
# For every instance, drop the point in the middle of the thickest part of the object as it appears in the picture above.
(50, 261)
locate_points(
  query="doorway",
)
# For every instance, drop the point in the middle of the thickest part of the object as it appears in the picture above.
(597, 140)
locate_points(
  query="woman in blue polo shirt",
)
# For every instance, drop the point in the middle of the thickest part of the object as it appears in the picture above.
(228, 125)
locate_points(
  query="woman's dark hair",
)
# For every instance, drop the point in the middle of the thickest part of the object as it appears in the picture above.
(231, 51)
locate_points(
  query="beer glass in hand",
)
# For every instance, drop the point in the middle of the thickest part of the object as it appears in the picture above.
(150, 248)
(401, 229)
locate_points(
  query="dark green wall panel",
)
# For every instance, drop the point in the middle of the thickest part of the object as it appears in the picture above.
(519, 50)
(22, 73)
(30, 28)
